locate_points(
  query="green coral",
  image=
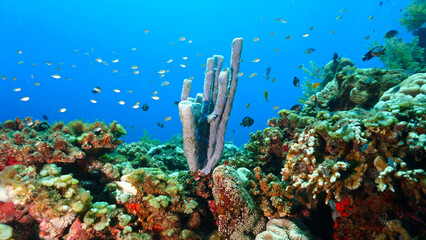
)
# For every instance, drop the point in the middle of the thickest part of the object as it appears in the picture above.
(403, 55)
(117, 130)
(414, 15)
(100, 215)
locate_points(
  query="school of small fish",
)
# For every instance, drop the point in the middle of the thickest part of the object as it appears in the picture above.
(136, 70)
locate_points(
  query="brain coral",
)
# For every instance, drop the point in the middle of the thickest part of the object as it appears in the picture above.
(409, 93)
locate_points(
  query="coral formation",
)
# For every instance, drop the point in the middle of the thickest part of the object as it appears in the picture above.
(30, 142)
(236, 214)
(284, 229)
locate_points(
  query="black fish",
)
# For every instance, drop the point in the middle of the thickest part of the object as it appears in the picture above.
(296, 82)
(335, 57)
(247, 122)
(160, 124)
(391, 34)
(395, 89)
(45, 117)
(381, 3)
(176, 103)
(344, 129)
(375, 52)
(145, 107)
(415, 125)
(268, 70)
(297, 108)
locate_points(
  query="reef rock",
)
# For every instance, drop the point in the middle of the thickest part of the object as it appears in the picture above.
(236, 213)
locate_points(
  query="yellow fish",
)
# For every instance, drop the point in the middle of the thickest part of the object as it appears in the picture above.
(339, 17)
(134, 67)
(19, 52)
(117, 90)
(20, 62)
(255, 39)
(136, 72)
(315, 85)
(25, 99)
(276, 107)
(256, 60)
(183, 65)
(305, 35)
(99, 60)
(134, 49)
(56, 76)
(371, 17)
(146, 31)
(184, 58)
(115, 61)
(168, 118)
(181, 39)
(161, 71)
(93, 101)
(62, 110)
(253, 75)
(171, 60)
(266, 95)
(165, 83)
(49, 63)
(17, 89)
(248, 105)
(121, 102)
(155, 97)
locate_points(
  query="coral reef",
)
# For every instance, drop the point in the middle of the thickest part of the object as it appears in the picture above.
(284, 229)
(160, 202)
(350, 165)
(236, 214)
(354, 87)
(30, 142)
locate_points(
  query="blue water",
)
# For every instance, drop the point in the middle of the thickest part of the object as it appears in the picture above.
(53, 31)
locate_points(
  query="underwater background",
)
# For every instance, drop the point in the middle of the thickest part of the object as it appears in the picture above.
(72, 35)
